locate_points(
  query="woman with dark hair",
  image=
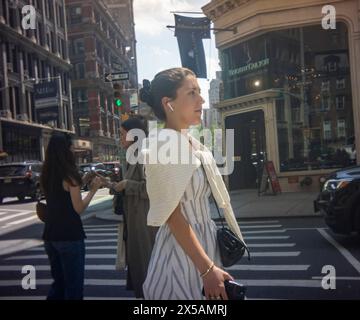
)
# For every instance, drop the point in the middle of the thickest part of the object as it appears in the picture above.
(63, 233)
(186, 257)
(139, 238)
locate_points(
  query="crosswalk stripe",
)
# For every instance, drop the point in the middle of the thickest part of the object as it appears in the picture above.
(266, 237)
(87, 248)
(85, 298)
(18, 268)
(100, 226)
(102, 234)
(101, 241)
(102, 229)
(259, 226)
(44, 256)
(276, 254)
(15, 215)
(264, 231)
(250, 245)
(269, 267)
(270, 245)
(280, 283)
(88, 282)
(22, 220)
(257, 221)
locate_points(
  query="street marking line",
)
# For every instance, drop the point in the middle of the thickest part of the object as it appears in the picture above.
(15, 215)
(85, 298)
(346, 253)
(88, 282)
(264, 231)
(276, 254)
(266, 237)
(295, 229)
(18, 268)
(102, 229)
(101, 240)
(339, 278)
(257, 226)
(259, 221)
(44, 256)
(281, 283)
(17, 210)
(100, 225)
(87, 248)
(270, 267)
(270, 245)
(102, 234)
(21, 221)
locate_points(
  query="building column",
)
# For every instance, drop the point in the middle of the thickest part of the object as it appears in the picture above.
(22, 92)
(2, 17)
(5, 111)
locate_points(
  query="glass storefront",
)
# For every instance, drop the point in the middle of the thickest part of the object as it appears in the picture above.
(309, 68)
(20, 143)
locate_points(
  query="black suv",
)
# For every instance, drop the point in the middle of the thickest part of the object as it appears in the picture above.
(20, 179)
(339, 200)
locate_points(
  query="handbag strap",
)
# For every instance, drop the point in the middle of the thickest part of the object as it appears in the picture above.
(221, 218)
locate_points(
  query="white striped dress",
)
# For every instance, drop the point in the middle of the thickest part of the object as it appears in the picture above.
(171, 274)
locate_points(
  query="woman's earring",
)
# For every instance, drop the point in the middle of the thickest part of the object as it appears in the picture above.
(170, 107)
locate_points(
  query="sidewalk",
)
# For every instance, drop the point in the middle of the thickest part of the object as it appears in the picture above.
(246, 204)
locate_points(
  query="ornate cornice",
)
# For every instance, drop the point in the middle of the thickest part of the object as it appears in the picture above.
(216, 9)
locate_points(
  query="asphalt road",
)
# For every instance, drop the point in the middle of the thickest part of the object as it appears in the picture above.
(290, 258)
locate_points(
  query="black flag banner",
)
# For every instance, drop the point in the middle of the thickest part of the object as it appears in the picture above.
(189, 33)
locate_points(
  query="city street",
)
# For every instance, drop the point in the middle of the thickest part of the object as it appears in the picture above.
(288, 255)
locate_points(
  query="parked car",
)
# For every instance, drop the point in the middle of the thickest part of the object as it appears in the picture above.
(20, 179)
(339, 200)
(114, 167)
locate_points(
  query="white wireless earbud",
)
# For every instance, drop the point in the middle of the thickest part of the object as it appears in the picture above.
(170, 107)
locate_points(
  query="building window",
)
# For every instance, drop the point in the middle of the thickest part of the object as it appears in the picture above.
(341, 128)
(79, 46)
(80, 71)
(327, 130)
(325, 86)
(75, 15)
(340, 83)
(340, 102)
(325, 103)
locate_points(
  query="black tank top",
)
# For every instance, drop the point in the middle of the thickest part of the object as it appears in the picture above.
(63, 223)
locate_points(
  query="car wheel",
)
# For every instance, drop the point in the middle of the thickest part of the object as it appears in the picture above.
(21, 198)
(37, 195)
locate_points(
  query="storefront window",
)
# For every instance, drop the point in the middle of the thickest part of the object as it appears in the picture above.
(309, 68)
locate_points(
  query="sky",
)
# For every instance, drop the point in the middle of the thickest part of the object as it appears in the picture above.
(157, 47)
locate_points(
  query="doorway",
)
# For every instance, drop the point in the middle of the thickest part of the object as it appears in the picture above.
(249, 146)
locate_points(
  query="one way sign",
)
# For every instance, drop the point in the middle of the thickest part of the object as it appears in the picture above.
(116, 76)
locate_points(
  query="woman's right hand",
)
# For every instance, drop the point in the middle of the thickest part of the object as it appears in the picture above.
(214, 284)
(96, 184)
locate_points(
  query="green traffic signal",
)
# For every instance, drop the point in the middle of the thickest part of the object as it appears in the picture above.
(118, 102)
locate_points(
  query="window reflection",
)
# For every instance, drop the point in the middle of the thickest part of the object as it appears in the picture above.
(309, 68)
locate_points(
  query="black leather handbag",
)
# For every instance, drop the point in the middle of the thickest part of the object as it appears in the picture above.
(231, 247)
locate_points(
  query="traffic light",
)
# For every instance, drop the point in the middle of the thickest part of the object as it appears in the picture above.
(117, 95)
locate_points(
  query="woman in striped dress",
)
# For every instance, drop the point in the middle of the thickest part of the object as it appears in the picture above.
(185, 258)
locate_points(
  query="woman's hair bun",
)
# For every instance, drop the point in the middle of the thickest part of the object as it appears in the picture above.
(145, 93)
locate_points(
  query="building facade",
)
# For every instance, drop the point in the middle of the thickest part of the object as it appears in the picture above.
(98, 46)
(35, 95)
(211, 117)
(291, 87)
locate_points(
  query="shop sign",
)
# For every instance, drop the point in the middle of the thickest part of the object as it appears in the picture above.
(250, 67)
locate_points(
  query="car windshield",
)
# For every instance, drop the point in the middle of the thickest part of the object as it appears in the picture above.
(11, 171)
(109, 166)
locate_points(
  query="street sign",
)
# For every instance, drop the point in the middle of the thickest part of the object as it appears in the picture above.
(116, 76)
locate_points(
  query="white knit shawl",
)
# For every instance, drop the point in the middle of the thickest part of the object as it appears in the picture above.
(166, 183)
